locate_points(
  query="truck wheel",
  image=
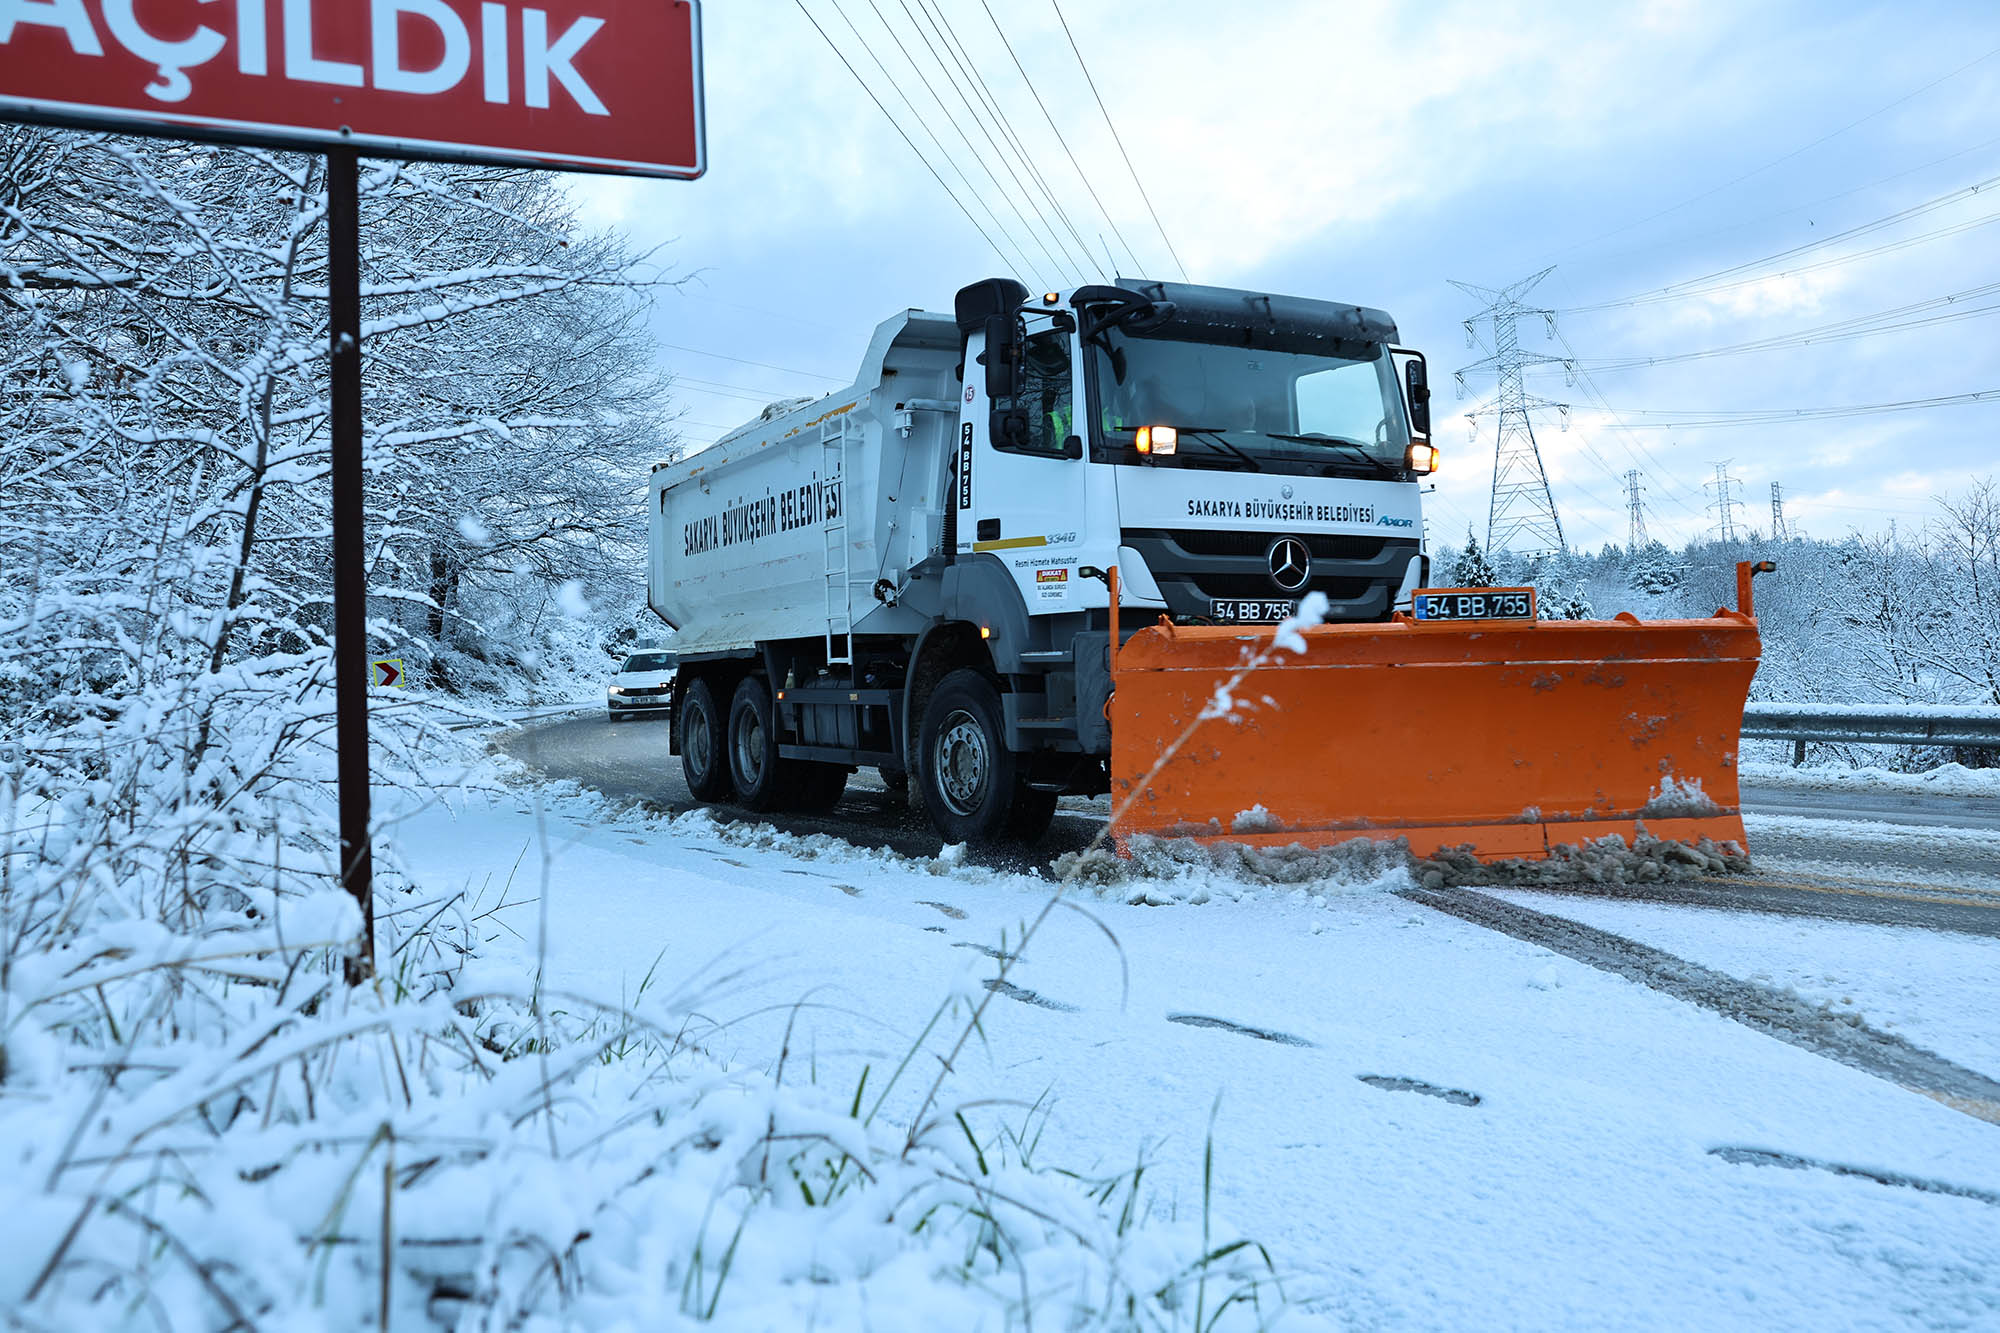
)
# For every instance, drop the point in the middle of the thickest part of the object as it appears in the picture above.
(703, 762)
(763, 781)
(964, 769)
(817, 787)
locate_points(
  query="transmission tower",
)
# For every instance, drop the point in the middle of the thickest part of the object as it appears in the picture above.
(1725, 504)
(1635, 508)
(1779, 532)
(1521, 506)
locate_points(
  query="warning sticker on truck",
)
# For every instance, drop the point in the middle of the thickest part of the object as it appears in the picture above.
(1052, 584)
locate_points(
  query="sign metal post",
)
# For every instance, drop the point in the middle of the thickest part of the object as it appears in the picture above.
(350, 552)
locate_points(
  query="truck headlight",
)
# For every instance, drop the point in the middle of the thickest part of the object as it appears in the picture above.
(1421, 458)
(1158, 441)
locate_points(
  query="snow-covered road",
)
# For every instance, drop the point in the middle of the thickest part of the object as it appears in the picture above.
(1852, 853)
(1431, 1124)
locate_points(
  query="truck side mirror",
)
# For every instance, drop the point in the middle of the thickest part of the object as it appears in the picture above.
(1003, 349)
(1417, 390)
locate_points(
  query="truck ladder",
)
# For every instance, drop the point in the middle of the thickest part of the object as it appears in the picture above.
(833, 437)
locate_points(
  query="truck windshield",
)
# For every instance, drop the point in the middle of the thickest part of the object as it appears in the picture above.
(1242, 408)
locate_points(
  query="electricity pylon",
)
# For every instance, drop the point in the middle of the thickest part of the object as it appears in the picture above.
(1521, 505)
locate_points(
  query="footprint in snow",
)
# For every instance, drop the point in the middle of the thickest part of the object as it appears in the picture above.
(1766, 1157)
(1026, 996)
(987, 949)
(1456, 1096)
(1261, 1034)
(946, 908)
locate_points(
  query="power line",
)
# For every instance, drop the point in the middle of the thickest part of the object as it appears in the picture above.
(969, 72)
(1635, 447)
(1106, 113)
(1081, 174)
(1709, 283)
(1020, 264)
(900, 130)
(1068, 261)
(762, 365)
(1693, 420)
(1859, 326)
(1687, 238)
(1777, 161)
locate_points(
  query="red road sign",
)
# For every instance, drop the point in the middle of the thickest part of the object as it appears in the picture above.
(576, 85)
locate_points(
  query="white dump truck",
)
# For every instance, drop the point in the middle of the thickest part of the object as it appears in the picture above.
(915, 573)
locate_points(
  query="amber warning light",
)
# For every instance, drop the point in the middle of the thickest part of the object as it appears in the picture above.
(1158, 441)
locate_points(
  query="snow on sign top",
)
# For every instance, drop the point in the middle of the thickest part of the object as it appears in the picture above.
(577, 85)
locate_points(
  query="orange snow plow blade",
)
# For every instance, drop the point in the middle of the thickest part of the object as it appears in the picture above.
(1507, 737)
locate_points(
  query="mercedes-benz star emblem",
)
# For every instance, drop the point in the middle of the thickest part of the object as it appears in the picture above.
(1291, 563)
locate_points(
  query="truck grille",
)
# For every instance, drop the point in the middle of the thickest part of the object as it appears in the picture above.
(1194, 567)
(1201, 541)
(1258, 586)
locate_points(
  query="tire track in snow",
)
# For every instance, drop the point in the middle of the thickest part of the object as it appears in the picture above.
(1789, 1018)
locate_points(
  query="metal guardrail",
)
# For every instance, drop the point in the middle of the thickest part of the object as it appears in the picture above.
(1969, 726)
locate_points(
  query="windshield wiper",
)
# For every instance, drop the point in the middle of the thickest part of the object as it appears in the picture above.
(1333, 442)
(1213, 435)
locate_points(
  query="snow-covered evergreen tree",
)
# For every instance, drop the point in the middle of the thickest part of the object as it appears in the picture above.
(1470, 568)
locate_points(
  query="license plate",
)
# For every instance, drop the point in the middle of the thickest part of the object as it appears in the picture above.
(1249, 611)
(1475, 603)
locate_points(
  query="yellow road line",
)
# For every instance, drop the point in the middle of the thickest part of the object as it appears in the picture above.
(1980, 1108)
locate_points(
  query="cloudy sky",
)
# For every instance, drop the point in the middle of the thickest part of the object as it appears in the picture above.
(1701, 176)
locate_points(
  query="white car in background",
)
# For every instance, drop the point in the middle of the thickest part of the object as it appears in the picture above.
(645, 684)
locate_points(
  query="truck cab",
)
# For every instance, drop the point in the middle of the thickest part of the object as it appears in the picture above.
(1228, 451)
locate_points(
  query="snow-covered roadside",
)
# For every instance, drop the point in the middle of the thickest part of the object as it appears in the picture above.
(1582, 1186)
(1938, 989)
(1947, 780)
(204, 1128)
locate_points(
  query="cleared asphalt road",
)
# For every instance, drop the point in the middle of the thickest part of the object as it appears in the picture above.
(1883, 878)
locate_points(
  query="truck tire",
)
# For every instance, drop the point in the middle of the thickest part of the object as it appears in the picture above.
(763, 780)
(965, 772)
(817, 788)
(704, 761)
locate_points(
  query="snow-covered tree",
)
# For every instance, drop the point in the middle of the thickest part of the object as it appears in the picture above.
(162, 319)
(1654, 570)
(1470, 568)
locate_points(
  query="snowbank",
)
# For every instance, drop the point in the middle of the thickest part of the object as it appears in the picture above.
(1946, 780)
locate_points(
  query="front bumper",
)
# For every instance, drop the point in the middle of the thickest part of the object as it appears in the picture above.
(638, 703)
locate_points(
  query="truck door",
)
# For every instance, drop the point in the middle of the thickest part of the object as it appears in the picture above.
(1021, 471)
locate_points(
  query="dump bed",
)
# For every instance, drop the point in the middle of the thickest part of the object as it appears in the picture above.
(783, 529)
